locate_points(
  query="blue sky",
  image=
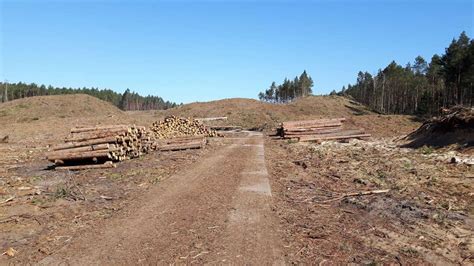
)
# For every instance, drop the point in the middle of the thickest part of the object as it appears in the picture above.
(189, 51)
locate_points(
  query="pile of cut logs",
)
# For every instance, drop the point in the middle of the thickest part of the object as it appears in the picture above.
(99, 147)
(172, 127)
(318, 130)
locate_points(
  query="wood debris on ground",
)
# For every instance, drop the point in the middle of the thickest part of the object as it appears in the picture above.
(318, 130)
(10, 252)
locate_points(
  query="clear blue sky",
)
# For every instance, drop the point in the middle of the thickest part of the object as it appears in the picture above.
(190, 51)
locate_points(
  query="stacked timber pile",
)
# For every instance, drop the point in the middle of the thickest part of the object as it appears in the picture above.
(172, 127)
(176, 133)
(99, 147)
(318, 130)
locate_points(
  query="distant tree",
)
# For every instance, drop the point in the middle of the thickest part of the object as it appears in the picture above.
(420, 67)
(5, 93)
(420, 88)
(288, 90)
(127, 101)
(306, 84)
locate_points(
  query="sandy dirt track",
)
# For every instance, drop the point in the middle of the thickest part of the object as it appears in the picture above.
(217, 211)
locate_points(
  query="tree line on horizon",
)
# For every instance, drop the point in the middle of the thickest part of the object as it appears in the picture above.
(128, 101)
(420, 88)
(289, 90)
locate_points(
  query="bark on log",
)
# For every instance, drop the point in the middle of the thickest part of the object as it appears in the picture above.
(313, 126)
(96, 135)
(107, 164)
(333, 134)
(179, 140)
(212, 119)
(80, 155)
(69, 145)
(304, 123)
(320, 138)
(85, 129)
(97, 147)
(312, 131)
(174, 147)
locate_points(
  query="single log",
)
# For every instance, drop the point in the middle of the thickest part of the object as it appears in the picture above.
(97, 147)
(331, 127)
(304, 123)
(174, 147)
(85, 129)
(107, 164)
(313, 126)
(80, 155)
(185, 139)
(96, 135)
(331, 134)
(226, 128)
(316, 138)
(212, 119)
(69, 145)
(311, 132)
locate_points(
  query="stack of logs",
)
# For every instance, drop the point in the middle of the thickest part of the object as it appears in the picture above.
(318, 130)
(172, 127)
(99, 147)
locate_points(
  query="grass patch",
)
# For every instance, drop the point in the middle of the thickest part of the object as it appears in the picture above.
(426, 150)
(62, 192)
(115, 176)
(409, 251)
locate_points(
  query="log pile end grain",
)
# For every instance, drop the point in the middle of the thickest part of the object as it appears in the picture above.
(98, 147)
(318, 130)
(101, 146)
(172, 127)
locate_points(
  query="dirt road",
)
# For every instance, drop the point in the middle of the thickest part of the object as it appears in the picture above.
(218, 210)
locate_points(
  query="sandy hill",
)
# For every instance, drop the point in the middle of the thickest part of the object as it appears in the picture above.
(55, 106)
(253, 114)
(51, 117)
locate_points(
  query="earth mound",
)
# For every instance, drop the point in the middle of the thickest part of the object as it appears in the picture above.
(253, 114)
(55, 106)
(257, 115)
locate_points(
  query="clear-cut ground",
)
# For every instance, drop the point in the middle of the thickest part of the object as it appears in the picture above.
(218, 210)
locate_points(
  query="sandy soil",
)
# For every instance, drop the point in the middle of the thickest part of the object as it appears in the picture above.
(217, 209)
(426, 217)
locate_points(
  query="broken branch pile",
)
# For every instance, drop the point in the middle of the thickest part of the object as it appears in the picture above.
(453, 126)
(98, 147)
(318, 130)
